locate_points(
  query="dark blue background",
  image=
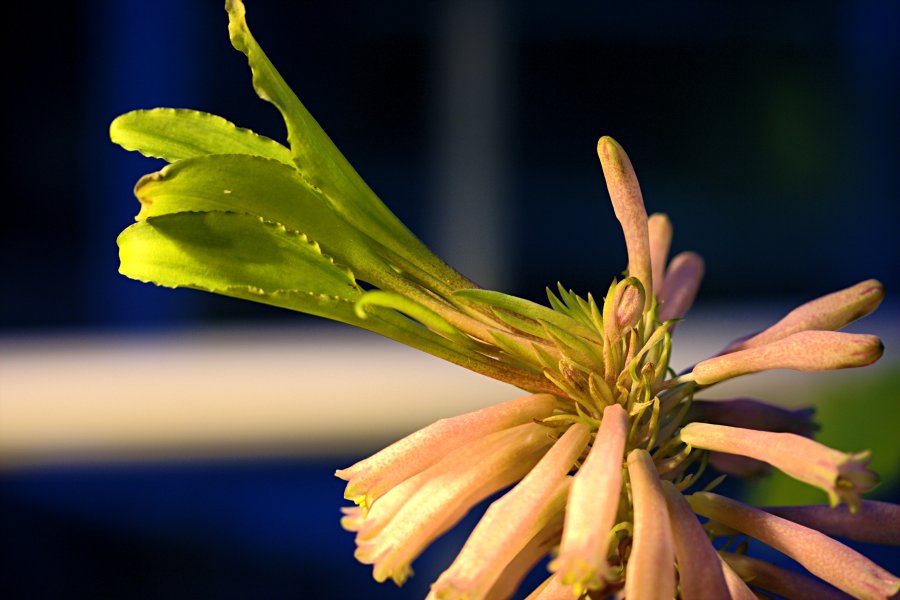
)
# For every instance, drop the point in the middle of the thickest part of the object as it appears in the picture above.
(769, 133)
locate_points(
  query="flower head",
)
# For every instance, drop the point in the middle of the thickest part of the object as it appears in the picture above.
(599, 452)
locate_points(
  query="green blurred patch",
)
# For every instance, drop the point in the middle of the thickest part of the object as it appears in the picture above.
(864, 415)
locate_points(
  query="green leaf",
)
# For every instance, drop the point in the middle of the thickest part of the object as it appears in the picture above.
(265, 188)
(238, 255)
(175, 134)
(322, 163)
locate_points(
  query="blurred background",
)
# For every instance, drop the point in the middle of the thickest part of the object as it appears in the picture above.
(174, 444)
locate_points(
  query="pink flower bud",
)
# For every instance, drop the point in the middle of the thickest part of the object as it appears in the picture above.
(628, 204)
(802, 351)
(680, 285)
(660, 229)
(829, 313)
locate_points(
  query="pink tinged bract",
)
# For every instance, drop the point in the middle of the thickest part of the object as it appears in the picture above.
(699, 573)
(874, 523)
(803, 351)
(592, 505)
(680, 285)
(822, 556)
(650, 574)
(372, 477)
(841, 476)
(830, 312)
(512, 521)
(628, 205)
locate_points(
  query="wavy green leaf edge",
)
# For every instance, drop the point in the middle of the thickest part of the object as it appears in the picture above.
(239, 214)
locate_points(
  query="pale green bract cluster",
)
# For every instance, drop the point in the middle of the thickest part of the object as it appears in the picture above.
(600, 451)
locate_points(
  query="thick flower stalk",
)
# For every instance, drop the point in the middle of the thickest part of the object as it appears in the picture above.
(605, 443)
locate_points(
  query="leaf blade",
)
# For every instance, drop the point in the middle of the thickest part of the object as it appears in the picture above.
(174, 134)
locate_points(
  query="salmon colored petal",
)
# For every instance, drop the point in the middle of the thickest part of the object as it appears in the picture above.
(822, 556)
(841, 476)
(699, 573)
(803, 351)
(592, 505)
(392, 536)
(371, 478)
(628, 204)
(650, 574)
(830, 312)
(512, 521)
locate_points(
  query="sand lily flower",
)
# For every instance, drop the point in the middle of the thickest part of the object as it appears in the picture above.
(606, 441)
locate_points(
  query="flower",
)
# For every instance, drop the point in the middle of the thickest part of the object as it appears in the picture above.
(604, 446)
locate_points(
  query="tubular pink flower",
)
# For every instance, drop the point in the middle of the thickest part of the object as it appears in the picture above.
(739, 466)
(592, 505)
(842, 476)
(628, 204)
(536, 549)
(828, 313)
(512, 521)
(659, 228)
(551, 588)
(370, 478)
(753, 414)
(699, 573)
(409, 517)
(822, 556)
(874, 522)
(737, 587)
(803, 351)
(650, 573)
(680, 285)
(785, 583)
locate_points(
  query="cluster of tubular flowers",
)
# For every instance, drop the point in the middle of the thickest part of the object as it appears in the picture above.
(603, 467)
(603, 456)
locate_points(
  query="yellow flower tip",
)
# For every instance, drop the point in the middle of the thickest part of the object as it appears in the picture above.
(397, 573)
(574, 571)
